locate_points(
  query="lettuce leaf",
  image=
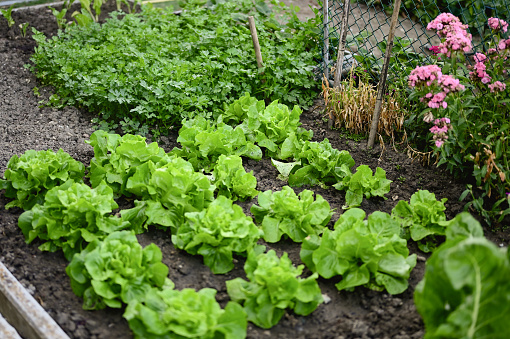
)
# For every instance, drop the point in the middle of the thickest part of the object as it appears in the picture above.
(364, 183)
(296, 216)
(465, 292)
(116, 270)
(30, 176)
(423, 218)
(274, 127)
(116, 159)
(320, 164)
(364, 252)
(72, 215)
(170, 313)
(237, 112)
(217, 232)
(169, 192)
(273, 286)
(232, 180)
(203, 142)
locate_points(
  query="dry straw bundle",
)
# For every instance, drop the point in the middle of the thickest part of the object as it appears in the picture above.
(352, 106)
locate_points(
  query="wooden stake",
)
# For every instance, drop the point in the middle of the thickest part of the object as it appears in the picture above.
(384, 74)
(325, 16)
(341, 43)
(255, 39)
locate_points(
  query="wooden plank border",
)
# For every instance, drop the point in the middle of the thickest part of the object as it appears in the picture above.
(24, 313)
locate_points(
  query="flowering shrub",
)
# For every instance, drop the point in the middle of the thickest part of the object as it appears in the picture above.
(469, 109)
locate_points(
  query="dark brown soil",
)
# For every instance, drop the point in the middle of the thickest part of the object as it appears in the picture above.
(360, 314)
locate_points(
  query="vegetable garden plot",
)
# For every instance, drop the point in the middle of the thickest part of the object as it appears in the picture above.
(358, 313)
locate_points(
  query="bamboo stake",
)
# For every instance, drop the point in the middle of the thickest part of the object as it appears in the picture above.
(384, 74)
(255, 39)
(341, 43)
(325, 16)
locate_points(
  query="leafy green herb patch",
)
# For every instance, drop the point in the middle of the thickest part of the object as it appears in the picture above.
(154, 68)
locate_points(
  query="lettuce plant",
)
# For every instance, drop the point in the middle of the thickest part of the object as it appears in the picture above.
(295, 216)
(465, 292)
(422, 218)
(169, 313)
(117, 157)
(117, 270)
(367, 253)
(320, 163)
(237, 112)
(273, 286)
(168, 193)
(203, 142)
(275, 126)
(216, 232)
(30, 176)
(72, 215)
(231, 178)
(364, 183)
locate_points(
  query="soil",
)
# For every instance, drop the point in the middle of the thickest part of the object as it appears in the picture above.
(25, 125)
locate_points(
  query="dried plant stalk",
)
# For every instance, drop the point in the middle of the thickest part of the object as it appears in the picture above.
(352, 107)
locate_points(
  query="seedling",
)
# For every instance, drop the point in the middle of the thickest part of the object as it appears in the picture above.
(7, 15)
(23, 29)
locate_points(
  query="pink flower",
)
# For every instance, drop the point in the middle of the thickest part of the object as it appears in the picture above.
(453, 32)
(497, 24)
(424, 75)
(497, 86)
(440, 131)
(434, 50)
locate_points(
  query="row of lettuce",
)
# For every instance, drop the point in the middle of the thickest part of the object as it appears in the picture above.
(191, 191)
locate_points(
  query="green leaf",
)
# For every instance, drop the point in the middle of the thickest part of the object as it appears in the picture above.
(465, 290)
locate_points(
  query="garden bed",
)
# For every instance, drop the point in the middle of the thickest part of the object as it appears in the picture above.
(363, 313)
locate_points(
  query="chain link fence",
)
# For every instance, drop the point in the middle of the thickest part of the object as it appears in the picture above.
(368, 27)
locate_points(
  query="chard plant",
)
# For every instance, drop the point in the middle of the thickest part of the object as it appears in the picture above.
(216, 233)
(231, 178)
(29, 177)
(367, 253)
(465, 291)
(169, 313)
(273, 286)
(283, 213)
(422, 219)
(117, 271)
(71, 216)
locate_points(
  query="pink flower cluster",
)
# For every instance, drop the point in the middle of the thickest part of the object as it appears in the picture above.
(497, 24)
(504, 44)
(497, 86)
(440, 131)
(479, 68)
(453, 33)
(432, 77)
(424, 75)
